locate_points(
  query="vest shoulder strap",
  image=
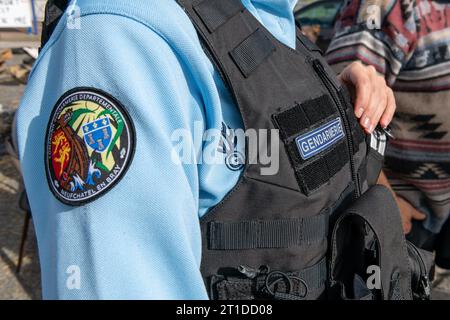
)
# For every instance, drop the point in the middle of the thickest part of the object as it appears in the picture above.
(215, 13)
(54, 10)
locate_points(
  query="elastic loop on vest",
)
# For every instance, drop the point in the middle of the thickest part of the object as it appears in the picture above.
(305, 284)
(264, 234)
(215, 13)
(275, 277)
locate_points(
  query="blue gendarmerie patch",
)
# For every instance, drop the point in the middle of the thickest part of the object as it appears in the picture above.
(320, 139)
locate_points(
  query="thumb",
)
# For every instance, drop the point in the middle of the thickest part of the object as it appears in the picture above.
(417, 215)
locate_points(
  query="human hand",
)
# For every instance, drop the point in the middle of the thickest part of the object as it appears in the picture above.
(374, 101)
(408, 213)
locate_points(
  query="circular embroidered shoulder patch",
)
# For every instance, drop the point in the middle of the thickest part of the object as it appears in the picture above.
(90, 143)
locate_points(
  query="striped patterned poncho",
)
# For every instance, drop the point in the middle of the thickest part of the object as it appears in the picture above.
(408, 41)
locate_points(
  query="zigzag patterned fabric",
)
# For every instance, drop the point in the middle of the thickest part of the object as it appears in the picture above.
(411, 48)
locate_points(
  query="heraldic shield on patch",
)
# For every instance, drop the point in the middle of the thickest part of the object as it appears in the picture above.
(89, 145)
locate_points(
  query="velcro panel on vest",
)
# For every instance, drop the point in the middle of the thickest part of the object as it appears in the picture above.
(300, 117)
(265, 234)
(306, 284)
(251, 52)
(316, 171)
(215, 13)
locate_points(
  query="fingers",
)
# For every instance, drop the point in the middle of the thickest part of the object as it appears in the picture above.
(407, 219)
(408, 213)
(377, 103)
(407, 226)
(417, 215)
(374, 101)
(405, 214)
(390, 109)
(354, 74)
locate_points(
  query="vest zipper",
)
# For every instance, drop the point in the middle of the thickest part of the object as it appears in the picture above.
(423, 281)
(318, 67)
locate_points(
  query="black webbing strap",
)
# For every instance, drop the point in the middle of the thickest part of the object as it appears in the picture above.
(215, 13)
(251, 52)
(306, 284)
(264, 234)
(54, 9)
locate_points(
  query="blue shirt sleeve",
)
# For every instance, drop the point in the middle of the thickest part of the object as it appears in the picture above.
(141, 240)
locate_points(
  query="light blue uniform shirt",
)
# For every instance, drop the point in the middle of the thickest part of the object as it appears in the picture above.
(140, 240)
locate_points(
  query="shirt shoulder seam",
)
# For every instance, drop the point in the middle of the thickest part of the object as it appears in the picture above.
(59, 31)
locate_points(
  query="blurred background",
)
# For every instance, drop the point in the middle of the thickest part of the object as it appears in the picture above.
(20, 22)
(20, 27)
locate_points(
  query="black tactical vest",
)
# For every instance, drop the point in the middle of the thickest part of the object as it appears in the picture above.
(268, 238)
(319, 227)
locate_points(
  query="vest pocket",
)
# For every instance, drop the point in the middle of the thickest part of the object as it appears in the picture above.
(357, 290)
(368, 246)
